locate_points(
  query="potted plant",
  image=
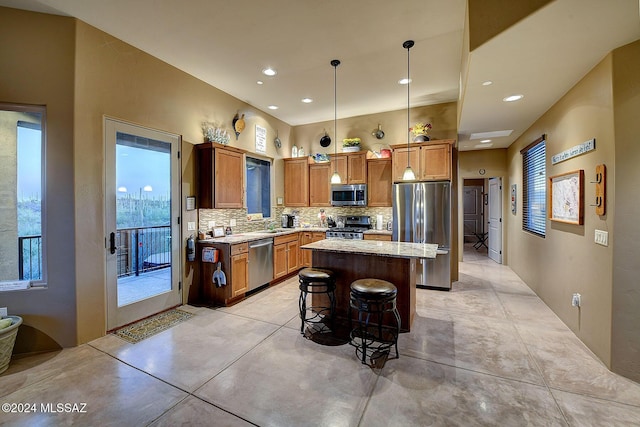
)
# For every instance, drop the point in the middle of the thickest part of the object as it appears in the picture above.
(8, 331)
(420, 131)
(350, 145)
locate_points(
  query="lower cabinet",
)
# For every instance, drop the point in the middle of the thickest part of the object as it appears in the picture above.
(234, 263)
(383, 237)
(239, 269)
(305, 238)
(285, 255)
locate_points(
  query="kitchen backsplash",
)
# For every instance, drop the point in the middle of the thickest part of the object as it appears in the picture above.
(308, 216)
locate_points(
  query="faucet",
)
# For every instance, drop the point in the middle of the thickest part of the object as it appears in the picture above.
(270, 225)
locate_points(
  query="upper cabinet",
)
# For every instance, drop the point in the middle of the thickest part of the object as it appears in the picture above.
(430, 161)
(379, 182)
(352, 167)
(296, 182)
(220, 176)
(319, 184)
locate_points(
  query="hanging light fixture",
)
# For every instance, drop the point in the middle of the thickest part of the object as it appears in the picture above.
(408, 174)
(335, 178)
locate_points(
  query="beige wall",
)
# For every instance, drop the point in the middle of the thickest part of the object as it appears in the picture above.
(36, 67)
(625, 340)
(568, 260)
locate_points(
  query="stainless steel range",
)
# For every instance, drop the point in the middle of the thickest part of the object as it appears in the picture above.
(354, 228)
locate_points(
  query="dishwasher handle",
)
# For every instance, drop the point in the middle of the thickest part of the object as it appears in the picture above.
(259, 245)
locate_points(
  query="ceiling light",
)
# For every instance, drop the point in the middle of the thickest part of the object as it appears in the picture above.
(484, 141)
(487, 83)
(335, 178)
(269, 72)
(491, 134)
(483, 146)
(404, 81)
(408, 174)
(513, 98)
(260, 82)
(272, 107)
(307, 100)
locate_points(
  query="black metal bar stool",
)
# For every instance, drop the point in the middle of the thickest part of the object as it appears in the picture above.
(373, 297)
(317, 281)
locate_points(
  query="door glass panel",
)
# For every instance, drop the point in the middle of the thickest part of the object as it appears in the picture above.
(143, 217)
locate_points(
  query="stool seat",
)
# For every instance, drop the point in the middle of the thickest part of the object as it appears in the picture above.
(318, 274)
(373, 288)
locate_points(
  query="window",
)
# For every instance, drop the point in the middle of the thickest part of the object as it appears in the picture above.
(534, 187)
(21, 196)
(259, 186)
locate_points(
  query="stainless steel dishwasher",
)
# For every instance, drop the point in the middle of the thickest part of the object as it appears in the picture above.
(260, 262)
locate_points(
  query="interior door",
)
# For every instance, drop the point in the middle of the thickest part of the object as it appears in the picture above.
(495, 219)
(472, 205)
(142, 234)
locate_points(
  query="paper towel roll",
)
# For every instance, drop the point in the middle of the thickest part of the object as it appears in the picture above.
(378, 222)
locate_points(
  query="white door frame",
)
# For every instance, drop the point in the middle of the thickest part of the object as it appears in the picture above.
(494, 214)
(119, 316)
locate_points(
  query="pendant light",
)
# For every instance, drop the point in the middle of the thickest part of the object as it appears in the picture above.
(335, 178)
(408, 174)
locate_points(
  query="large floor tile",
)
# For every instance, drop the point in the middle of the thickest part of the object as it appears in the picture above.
(115, 394)
(291, 381)
(529, 309)
(420, 393)
(194, 412)
(582, 411)
(477, 343)
(190, 353)
(463, 299)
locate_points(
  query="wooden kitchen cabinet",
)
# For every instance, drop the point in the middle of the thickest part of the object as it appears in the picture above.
(296, 182)
(320, 184)
(220, 177)
(305, 238)
(379, 237)
(379, 182)
(352, 167)
(430, 161)
(285, 255)
(239, 272)
(234, 262)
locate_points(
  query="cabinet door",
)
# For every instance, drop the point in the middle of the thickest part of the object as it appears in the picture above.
(435, 162)
(339, 163)
(296, 182)
(400, 162)
(292, 256)
(229, 179)
(305, 255)
(320, 184)
(357, 168)
(379, 182)
(280, 261)
(239, 274)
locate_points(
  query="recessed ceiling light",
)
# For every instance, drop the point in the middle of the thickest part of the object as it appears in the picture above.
(484, 141)
(483, 146)
(512, 98)
(404, 81)
(487, 83)
(269, 72)
(492, 134)
(273, 107)
(307, 100)
(260, 82)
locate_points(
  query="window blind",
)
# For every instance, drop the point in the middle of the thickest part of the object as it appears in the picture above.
(534, 187)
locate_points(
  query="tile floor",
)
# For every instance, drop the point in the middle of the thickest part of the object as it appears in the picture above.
(486, 353)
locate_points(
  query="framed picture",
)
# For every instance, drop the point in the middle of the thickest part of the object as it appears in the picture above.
(566, 197)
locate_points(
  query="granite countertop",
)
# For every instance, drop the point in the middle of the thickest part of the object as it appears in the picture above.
(257, 235)
(379, 248)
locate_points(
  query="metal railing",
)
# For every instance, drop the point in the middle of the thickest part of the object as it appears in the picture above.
(30, 257)
(143, 249)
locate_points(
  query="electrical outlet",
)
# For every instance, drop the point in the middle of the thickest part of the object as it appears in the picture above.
(602, 237)
(211, 224)
(3, 311)
(191, 226)
(232, 222)
(576, 300)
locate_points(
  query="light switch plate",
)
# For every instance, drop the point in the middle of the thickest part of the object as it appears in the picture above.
(211, 224)
(191, 226)
(602, 237)
(232, 222)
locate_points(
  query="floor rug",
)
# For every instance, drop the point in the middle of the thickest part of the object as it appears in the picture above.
(150, 326)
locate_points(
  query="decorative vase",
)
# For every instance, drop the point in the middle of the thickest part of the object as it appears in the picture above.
(421, 138)
(7, 340)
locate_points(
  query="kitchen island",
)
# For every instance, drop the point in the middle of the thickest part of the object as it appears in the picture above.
(394, 262)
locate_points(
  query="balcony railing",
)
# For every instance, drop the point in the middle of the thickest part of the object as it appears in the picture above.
(143, 249)
(30, 257)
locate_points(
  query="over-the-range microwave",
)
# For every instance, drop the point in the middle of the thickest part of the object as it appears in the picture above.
(348, 195)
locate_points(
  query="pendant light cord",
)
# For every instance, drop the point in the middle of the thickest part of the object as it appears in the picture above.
(335, 64)
(408, 45)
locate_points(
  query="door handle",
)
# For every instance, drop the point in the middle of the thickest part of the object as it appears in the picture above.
(112, 243)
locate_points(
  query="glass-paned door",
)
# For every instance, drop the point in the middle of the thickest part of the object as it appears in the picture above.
(142, 232)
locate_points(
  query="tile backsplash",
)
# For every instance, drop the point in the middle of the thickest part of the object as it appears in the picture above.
(308, 216)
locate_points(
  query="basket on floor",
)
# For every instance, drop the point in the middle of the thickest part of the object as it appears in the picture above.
(7, 340)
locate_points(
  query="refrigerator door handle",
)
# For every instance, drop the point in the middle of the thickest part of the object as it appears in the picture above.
(418, 238)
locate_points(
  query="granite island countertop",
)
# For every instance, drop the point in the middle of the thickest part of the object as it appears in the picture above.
(251, 236)
(378, 248)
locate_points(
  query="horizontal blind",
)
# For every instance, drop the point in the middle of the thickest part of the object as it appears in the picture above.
(534, 191)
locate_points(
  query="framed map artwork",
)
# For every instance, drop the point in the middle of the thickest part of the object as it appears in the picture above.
(566, 197)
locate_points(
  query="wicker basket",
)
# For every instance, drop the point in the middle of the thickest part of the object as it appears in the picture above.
(7, 340)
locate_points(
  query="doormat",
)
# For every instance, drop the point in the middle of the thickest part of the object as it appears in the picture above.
(150, 326)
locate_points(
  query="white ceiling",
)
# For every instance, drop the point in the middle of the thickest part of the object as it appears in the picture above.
(227, 44)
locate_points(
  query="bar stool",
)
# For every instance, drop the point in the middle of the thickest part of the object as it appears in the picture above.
(317, 281)
(373, 297)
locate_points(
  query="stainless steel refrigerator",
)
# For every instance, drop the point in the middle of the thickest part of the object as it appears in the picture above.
(422, 214)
